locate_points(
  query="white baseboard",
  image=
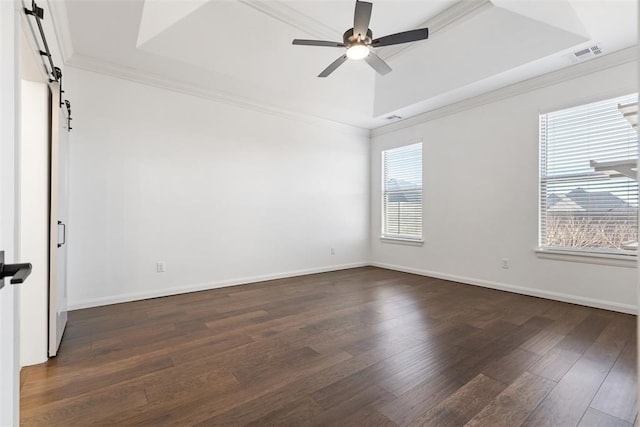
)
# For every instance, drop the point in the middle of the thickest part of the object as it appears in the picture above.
(590, 302)
(136, 296)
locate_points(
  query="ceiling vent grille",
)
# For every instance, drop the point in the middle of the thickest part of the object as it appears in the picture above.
(584, 54)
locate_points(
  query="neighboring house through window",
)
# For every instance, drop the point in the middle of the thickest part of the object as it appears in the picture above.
(402, 192)
(588, 185)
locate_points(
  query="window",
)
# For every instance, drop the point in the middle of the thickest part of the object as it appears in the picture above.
(402, 192)
(588, 186)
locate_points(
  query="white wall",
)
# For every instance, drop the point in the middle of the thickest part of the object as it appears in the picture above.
(34, 220)
(221, 194)
(481, 198)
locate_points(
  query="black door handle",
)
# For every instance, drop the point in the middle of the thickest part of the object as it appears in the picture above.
(19, 271)
(64, 233)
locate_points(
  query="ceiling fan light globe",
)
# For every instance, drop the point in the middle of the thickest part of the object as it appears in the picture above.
(358, 51)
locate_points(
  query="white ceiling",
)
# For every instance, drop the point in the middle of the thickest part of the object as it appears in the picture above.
(241, 50)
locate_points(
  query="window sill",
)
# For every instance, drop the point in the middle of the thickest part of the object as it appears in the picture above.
(617, 260)
(402, 241)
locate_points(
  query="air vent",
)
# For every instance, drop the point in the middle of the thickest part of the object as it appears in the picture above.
(393, 117)
(584, 54)
(581, 53)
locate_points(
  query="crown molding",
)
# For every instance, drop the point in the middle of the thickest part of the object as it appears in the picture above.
(88, 63)
(605, 62)
(450, 17)
(283, 13)
(445, 20)
(60, 20)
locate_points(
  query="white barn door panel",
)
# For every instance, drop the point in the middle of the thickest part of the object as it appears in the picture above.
(58, 224)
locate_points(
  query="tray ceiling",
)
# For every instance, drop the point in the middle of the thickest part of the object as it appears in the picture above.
(241, 49)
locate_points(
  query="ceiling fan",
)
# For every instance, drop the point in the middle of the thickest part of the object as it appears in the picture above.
(359, 39)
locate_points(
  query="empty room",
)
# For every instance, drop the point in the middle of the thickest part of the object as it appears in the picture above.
(310, 212)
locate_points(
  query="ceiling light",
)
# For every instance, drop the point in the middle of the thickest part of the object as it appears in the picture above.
(357, 51)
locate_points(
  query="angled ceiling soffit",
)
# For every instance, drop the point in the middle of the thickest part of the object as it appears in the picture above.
(557, 13)
(281, 12)
(445, 20)
(160, 15)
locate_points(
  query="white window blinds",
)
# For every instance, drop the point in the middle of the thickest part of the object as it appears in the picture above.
(588, 189)
(402, 192)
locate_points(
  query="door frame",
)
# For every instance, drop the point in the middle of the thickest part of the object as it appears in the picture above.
(9, 139)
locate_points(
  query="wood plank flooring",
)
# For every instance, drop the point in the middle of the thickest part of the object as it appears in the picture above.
(360, 347)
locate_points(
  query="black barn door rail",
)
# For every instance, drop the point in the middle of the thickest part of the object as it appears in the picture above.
(54, 73)
(38, 14)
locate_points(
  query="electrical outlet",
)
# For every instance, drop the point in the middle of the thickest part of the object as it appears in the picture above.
(160, 267)
(333, 251)
(506, 263)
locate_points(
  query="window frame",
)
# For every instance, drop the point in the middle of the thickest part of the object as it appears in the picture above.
(402, 239)
(590, 255)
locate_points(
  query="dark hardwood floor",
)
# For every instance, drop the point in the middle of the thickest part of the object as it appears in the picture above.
(361, 347)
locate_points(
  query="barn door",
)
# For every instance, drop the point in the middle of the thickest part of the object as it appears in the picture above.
(58, 224)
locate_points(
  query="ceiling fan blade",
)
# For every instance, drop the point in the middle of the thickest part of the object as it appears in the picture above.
(399, 38)
(335, 64)
(377, 63)
(361, 18)
(317, 43)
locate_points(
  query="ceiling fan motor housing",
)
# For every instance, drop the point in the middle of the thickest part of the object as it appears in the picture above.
(351, 39)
